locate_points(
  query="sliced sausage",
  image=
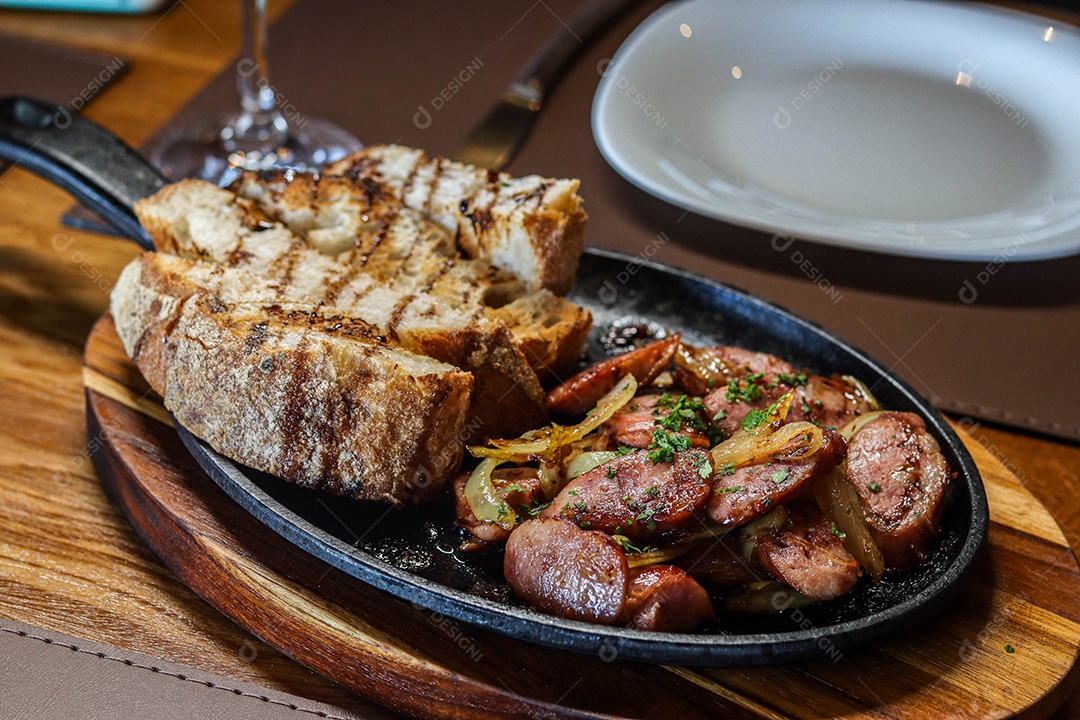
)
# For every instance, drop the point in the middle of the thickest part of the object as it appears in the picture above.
(519, 487)
(558, 568)
(828, 402)
(665, 598)
(808, 554)
(633, 424)
(745, 361)
(720, 563)
(579, 394)
(900, 475)
(750, 492)
(633, 496)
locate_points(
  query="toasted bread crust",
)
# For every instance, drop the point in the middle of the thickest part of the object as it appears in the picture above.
(201, 221)
(530, 226)
(321, 399)
(410, 251)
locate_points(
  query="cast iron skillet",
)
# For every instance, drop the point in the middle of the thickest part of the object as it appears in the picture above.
(412, 553)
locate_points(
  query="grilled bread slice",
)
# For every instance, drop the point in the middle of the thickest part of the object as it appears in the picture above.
(291, 388)
(531, 226)
(402, 247)
(198, 220)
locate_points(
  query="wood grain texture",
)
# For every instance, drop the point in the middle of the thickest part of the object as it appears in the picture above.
(1022, 595)
(69, 561)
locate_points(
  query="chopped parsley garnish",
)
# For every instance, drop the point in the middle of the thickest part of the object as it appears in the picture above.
(728, 469)
(513, 488)
(767, 502)
(746, 389)
(581, 506)
(704, 468)
(628, 546)
(837, 533)
(572, 492)
(874, 487)
(715, 435)
(611, 473)
(534, 511)
(664, 446)
(653, 491)
(720, 415)
(793, 380)
(1010, 649)
(780, 475)
(625, 450)
(725, 491)
(682, 409)
(753, 419)
(756, 417)
(647, 516)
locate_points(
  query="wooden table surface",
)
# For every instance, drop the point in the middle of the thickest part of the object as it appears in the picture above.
(68, 559)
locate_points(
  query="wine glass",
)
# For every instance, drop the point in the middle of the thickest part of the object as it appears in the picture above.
(259, 137)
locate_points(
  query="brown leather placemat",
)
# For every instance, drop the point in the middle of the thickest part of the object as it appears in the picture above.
(102, 681)
(431, 70)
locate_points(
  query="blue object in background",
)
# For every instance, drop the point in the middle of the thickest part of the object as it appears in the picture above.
(114, 6)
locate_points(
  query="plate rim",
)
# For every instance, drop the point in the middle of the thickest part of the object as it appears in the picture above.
(1061, 238)
(690, 649)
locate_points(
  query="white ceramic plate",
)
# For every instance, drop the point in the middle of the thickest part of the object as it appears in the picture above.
(904, 127)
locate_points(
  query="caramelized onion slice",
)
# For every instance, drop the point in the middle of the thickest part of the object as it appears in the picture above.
(708, 367)
(485, 503)
(860, 388)
(547, 441)
(849, 430)
(660, 555)
(766, 525)
(840, 502)
(586, 461)
(795, 440)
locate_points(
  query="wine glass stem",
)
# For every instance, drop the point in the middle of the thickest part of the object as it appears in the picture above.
(259, 126)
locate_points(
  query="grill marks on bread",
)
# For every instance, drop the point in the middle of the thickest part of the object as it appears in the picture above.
(530, 226)
(290, 388)
(407, 250)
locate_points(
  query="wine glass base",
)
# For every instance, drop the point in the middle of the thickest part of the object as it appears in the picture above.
(203, 152)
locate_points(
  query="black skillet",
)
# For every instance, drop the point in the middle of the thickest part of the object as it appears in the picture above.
(412, 553)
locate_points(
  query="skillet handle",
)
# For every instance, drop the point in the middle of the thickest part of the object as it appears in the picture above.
(82, 157)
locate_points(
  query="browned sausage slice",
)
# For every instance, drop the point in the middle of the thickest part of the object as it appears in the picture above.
(579, 394)
(900, 475)
(757, 381)
(635, 497)
(634, 423)
(828, 402)
(808, 554)
(665, 598)
(749, 492)
(558, 568)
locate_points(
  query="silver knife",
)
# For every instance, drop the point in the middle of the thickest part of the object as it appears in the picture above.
(496, 138)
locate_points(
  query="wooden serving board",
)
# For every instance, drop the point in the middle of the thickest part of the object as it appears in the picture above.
(1022, 595)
